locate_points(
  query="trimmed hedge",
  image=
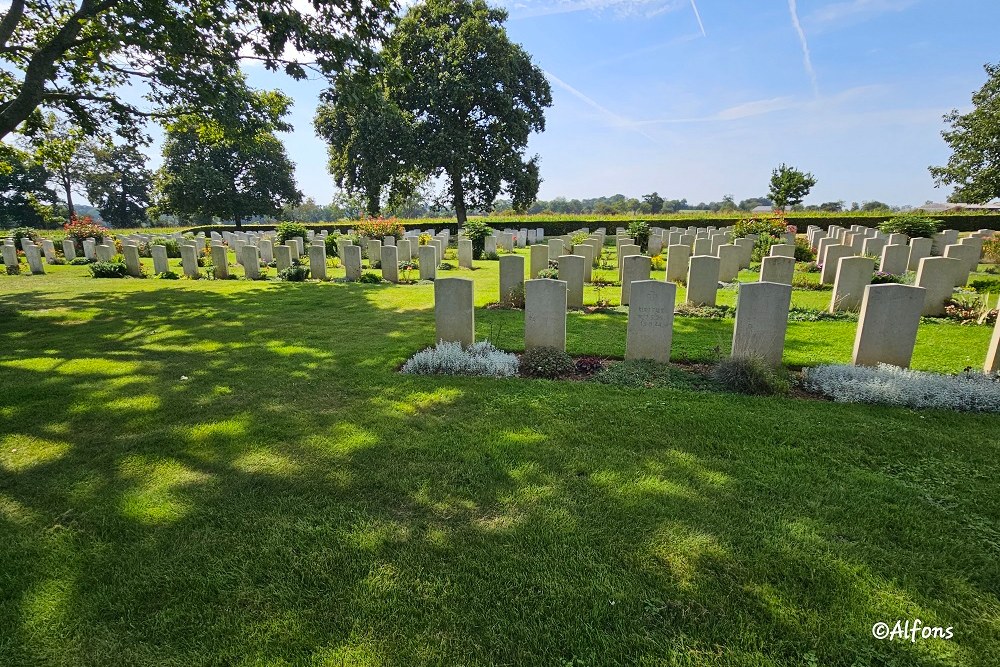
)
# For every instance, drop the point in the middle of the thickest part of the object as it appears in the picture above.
(964, 222)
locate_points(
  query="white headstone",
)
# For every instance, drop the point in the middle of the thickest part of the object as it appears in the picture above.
(761, 321)
(887, 326)
(545, 314)
(650, 320)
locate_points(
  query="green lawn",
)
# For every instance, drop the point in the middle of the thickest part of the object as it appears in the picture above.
(207, 472)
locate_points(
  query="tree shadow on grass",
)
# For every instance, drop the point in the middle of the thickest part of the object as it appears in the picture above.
(296, 499)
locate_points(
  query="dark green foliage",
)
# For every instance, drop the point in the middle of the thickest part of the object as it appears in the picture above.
(643, 373)
(171, 244)
(800, 282)
(370, 278)
(477, 231)
(709, 312)
(639, 232)
(881, 278)
(168, 275)
(549, 273)
(112, 269)
(291, 230)
(119, 184)
(25, 196)
(762, 247)
(589, 365)
(818, 315)
(24, 233)
(296, 273)
(80, 261)
(914, 226)
(331, 244)
(986, 285)
(492, 256)
(14, 270)
(546, 362)
(803, 253)
(751, 375)
(789, 186)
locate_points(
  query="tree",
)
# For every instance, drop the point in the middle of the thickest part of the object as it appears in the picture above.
(119, 184)
(832, 206)
(25, 198)
(655, 202)
(789, 186)
(460, 100)
(183, 55)
(974, 139)
(62, 149)
(753, 202)
(208, 170)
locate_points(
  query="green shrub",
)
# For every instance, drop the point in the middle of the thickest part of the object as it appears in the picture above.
(113, 269)
(803, 253)
(492, 256)
(477, 231)
(646, 374)
(379, 228)
(708, 312)
(85, 228)
(289, 230)
(657, 263)
(171, 244)
(370, 278)
(882, 278)
(168, 275)
(80, 261)
(548, 273)
(14, 270)
(546, 362)
(331, 244)
(762, 247)
(914, 226)
(762, 225)
(986, 285)
(808, 267)
(800, 282)
(991, 248)
(751, 375)
(24, 233)
(294, 274)
(639, 232)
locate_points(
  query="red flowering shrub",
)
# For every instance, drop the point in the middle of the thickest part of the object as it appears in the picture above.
(379, 228)
(79, 229)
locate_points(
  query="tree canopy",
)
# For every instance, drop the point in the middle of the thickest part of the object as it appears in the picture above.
(180, 55)
(974, 139)
(119, 184)
(789, 186)
(25, 197)
(451, 98)
(210, 170)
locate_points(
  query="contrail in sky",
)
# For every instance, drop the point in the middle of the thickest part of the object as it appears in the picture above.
(697, 15)
(613, 119)
(793, 10)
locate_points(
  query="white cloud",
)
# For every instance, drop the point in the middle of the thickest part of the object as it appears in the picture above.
(857, 9)
(522, 9)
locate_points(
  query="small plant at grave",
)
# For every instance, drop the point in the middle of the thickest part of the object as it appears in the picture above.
(917, 390)
(601, 280)
(991, 248)
(80, 228)
(985, 285)
(446, 266)
(808, 267)
(477, 231)
(589, 365)
(115, 268)
(168, 275)
(647, 374)
(751, 375)
(657, 263)
(605, 263)
(331, 244)
(817, 315)
(554, 264)
(802, 283)
(579, 238)
(883, 278)
(424, 239)
(492, 256)
(803, 253)
(546, 362)
(707, 312)
(80, 261)
(407, 267)
(29, 233)
(514, 298)
(58, 261)
(548, 273)
(290, 230)
(370, 278)
(14, 270)
(171, 244)
(969, 309)
(773, 225)
(450, 358)
(762, 247)
(992, 270)
(296, 273)
(914, 226)
(639, 232)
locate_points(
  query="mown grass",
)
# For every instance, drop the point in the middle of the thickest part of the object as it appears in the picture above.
(207, 472)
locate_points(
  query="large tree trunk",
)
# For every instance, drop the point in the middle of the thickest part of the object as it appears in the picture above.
(238, 220)
(68, 186)
(458, 198)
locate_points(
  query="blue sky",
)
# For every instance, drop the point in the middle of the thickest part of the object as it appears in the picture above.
(701, 99)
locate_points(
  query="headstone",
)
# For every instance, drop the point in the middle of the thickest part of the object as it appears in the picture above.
(465, 253)
(702, 280)
(388, 259)
(898, 239)
(352, 262)
(783, 250)
(894, 259)
(703, 246)
(105, 253)
(389, 240)
(834, 253)
(342, 242)
(89, 249)
(873, 246)
(33, 254)
(189, 260)
(490, 245)
(634, 268)
(887, 326)
(511, 278)
(545, 314)
(454, 310)
(853, 275)
(403, 250)
(160, 262)
(650, 320)
(919, 248)
(317, 261)
(729, 262)
(556, 247)
(777, 269)
(251, 262)
(655, 244)
(586, 250)
(283, 257)
(49, 249)
(69, 250)
(133, 265)
(937, 275)
(761, 321)
(992, 363)
(626, 250)
(507, 241)
(439, 243)
(539, 233)
(539, 260)
(10, 256)
(571, 270)
(678, 255)
(968, 255)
